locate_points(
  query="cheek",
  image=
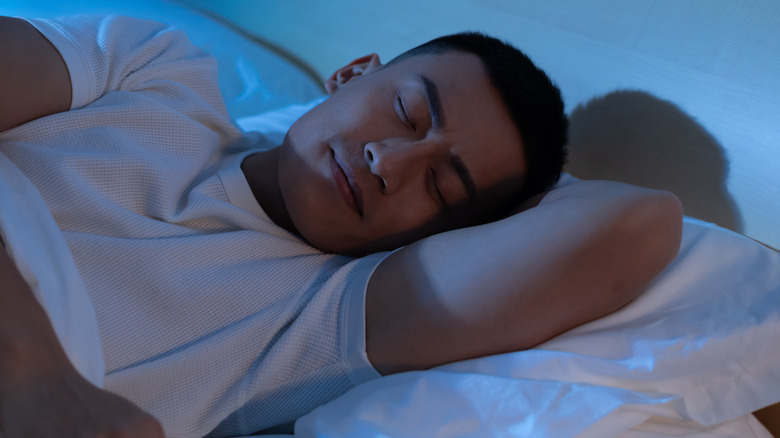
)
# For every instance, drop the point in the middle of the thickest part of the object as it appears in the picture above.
(313, 208)
(308, 213)
(299, 184)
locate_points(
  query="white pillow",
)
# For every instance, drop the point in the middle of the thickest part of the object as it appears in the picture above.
(274, 124)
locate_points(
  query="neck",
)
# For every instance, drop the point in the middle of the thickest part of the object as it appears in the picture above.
(262, 173)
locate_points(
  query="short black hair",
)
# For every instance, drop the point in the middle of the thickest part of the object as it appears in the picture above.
(532, 99)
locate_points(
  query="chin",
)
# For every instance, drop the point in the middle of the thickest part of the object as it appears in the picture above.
(333, 244)
(330, 248)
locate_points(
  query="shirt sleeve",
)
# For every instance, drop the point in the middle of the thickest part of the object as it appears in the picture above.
(119, 53)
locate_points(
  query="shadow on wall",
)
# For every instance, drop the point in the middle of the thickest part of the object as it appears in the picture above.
(634, 137)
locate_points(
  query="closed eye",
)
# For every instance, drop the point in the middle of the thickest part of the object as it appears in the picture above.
(403, 114)
(436, 188)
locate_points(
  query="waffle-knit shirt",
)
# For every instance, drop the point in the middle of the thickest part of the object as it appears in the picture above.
(212, 318)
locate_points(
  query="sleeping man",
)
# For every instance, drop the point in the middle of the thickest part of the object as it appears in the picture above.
(408, 221)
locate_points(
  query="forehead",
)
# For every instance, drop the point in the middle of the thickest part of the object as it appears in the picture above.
(477, 125)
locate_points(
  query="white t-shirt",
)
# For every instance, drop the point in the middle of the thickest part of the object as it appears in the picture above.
(210, 315)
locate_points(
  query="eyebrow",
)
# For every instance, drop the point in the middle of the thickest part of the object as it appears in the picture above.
(431, 93)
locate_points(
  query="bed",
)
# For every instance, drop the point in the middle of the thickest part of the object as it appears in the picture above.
(675, 95)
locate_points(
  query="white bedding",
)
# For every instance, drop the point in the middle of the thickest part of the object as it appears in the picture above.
(693, 356)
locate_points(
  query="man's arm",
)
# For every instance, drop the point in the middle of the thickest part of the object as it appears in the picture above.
(34, 80)
(41, 393)
(585, 251)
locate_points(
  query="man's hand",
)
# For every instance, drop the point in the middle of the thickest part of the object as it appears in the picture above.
(63, 404)
(41, 393)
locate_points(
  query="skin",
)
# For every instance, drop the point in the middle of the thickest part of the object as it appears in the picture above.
(404, 158)
(37, 85)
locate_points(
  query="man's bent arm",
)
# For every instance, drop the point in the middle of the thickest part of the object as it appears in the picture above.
(34, 80)
(585, 251)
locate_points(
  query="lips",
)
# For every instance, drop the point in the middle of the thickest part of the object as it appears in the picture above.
(346, 184)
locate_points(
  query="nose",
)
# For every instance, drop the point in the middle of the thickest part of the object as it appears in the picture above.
(395, 162)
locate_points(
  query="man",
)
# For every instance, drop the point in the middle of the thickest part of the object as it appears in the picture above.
(222, 307)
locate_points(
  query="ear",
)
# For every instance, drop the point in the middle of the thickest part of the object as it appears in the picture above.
(359, 67)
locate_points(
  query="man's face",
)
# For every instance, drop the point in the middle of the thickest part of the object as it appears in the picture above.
(399, 153)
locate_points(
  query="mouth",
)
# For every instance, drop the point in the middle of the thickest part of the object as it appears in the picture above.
(346, 184)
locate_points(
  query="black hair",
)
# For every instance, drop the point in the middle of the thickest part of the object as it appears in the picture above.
(532, 99)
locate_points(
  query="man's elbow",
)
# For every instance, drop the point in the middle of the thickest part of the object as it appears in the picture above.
(655, 226)
(665, 233)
